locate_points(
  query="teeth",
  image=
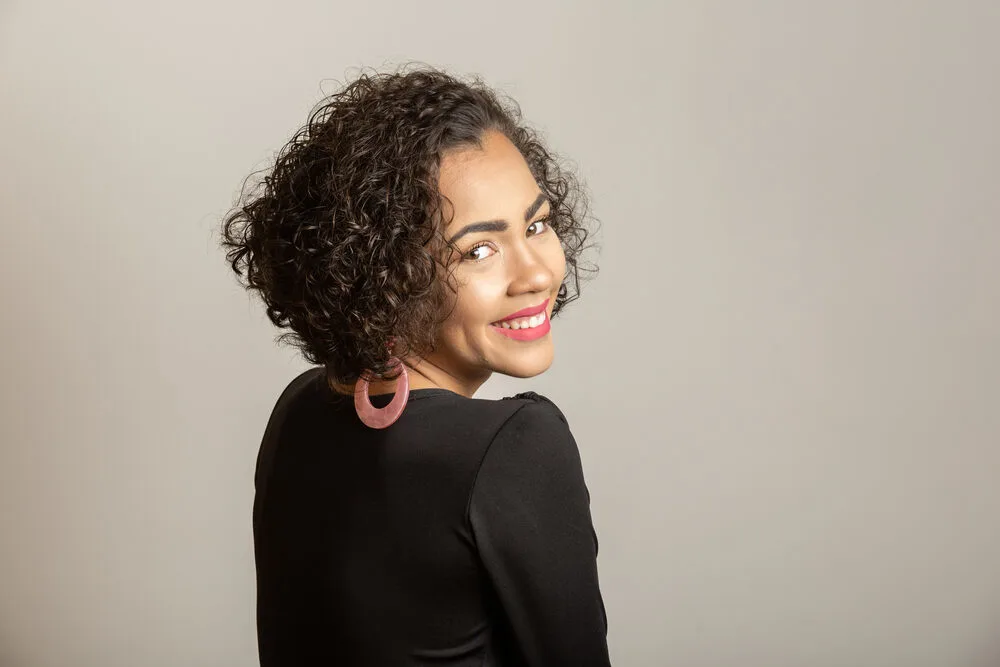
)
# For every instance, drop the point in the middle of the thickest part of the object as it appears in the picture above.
(524, 322)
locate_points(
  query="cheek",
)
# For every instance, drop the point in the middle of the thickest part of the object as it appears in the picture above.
(557, 260)
(478, 301)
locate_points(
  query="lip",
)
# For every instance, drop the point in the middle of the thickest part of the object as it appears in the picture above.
(527, 312)
(540, 331)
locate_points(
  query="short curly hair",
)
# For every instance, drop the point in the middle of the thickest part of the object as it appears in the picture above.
(344, 240)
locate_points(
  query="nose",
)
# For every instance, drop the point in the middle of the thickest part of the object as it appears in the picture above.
(528, 271)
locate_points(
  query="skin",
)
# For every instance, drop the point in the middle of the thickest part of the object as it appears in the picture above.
(517, 268)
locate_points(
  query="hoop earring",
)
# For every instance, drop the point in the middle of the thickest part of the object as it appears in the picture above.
(382, 417)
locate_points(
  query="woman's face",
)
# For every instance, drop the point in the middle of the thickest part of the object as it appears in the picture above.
(512, 262)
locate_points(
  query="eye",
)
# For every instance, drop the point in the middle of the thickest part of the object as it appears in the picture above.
(541, 221)
(479, 246)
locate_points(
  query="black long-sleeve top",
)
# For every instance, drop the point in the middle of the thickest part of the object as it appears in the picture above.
(460, 535)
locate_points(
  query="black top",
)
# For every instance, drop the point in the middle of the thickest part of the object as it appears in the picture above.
(459, 535)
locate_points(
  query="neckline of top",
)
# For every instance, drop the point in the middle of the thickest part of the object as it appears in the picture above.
(419, 393)
(415, 394)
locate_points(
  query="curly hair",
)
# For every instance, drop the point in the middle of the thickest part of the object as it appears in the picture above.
(343, 239)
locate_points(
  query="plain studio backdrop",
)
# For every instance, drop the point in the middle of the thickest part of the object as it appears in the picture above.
(784, 382)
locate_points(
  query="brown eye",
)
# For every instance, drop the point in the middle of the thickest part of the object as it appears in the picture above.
(543, 221)
(473, 249)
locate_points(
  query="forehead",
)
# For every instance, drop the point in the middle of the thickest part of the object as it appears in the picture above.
(486, 183)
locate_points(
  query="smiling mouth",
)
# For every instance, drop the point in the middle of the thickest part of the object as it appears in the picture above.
(536, 328)
(518, 323)
(526, 317)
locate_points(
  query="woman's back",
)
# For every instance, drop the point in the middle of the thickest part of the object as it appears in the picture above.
(460, 535)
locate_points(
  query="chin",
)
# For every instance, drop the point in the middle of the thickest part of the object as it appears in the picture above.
(527, 367)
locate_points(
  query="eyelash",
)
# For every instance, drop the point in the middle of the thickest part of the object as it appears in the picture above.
(482, 244)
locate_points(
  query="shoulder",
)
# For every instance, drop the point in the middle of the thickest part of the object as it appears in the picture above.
(531, 462)
(482, 419)
(541, 406)
(281, 413)
(535, 434)
(308, 380)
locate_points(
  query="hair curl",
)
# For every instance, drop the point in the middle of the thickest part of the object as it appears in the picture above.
(343, 238)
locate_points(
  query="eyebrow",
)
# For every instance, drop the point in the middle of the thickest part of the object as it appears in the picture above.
(499, 225)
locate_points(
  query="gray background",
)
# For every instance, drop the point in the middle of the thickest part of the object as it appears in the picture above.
(784, 382)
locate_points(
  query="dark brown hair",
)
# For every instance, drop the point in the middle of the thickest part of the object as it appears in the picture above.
(343, 237)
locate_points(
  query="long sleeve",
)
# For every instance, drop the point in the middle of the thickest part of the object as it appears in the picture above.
(530, 517)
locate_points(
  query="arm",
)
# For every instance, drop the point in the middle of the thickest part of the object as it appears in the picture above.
(530, 518)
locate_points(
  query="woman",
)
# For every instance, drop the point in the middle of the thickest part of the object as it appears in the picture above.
(416, 238)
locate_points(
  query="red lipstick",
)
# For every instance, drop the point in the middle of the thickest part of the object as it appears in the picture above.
(532, 333)
(527, 312)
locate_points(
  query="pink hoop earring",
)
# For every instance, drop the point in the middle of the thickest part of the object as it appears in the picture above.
(382, 417)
